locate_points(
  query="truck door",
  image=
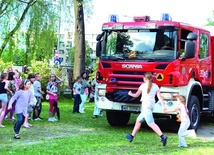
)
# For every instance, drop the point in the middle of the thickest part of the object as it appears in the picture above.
(204, 59)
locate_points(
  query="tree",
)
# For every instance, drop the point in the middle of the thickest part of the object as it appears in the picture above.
(5, 8)
(30, 27)
(88, 52)
(79, 38)
(40, 37)
(211, 21)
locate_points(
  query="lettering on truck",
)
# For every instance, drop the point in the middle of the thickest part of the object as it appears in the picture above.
(131, 66)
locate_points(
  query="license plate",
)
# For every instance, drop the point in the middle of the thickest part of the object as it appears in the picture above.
(130, 108)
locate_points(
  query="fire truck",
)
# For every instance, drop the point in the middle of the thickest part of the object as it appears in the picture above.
(179, 56)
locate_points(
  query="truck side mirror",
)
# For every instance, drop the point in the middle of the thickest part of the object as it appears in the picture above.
(98, 48)
(189, 51)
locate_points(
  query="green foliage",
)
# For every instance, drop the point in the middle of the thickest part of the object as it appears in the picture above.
(43, 68)
(71, 55)
(88, 52)
(17, 56)
(210, 21)
(95, 68)
(4, 65)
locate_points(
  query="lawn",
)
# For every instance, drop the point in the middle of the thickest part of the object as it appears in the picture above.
(80, 134)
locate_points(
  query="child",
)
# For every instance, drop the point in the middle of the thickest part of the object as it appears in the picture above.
(38, 94)
(148, 91)
(97, 111)
(23, 98)
(12, 87)
(76, 93)
(84, 92)
(26, 124)
(185, 121)
(3, 96)
(53, 90)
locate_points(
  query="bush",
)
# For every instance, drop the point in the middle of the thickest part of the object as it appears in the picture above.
(4, 66)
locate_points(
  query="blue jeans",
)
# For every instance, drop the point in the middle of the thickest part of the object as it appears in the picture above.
(20, 121)
(77, 101)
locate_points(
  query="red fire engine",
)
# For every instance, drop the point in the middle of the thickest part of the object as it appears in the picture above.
(178, 55)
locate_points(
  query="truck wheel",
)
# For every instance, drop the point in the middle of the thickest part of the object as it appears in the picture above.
(117, 118)
(194, 112)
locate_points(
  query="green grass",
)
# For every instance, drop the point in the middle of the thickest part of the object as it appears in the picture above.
(80, 134)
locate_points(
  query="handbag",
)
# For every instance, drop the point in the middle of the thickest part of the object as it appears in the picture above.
(47, 96)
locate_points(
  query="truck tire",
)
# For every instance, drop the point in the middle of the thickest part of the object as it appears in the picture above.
(117, 118)
(194, 112)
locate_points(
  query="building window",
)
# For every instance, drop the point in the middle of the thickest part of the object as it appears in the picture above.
(62, 36)
(87, 36)
(94, 36)
(61, 44)
(61, 51)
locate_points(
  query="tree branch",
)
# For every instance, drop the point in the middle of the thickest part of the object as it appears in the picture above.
(12, 32)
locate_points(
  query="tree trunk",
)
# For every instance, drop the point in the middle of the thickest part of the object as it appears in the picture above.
(79, 39)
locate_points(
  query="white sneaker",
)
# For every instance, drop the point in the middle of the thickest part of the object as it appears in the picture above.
(55, 120)
(25, 125)
(37, 119)
(50, 119)
(30, 125)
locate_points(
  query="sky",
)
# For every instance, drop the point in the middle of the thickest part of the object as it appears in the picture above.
(194, 12)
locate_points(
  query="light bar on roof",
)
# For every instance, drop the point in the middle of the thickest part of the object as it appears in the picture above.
(141, 18)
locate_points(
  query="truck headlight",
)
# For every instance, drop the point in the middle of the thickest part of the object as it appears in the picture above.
(169, 96)
(101, 92)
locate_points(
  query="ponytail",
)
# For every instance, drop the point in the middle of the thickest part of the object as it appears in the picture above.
(149, 87)
(148, 76)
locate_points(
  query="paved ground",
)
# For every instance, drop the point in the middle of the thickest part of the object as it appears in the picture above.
(206, 129)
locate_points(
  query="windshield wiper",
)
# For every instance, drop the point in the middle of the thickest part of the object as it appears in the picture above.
(116, 58)
(149, 59)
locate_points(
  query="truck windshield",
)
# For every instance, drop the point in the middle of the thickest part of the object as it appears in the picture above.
(140, 45)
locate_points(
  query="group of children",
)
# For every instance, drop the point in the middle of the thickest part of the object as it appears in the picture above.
(81, 90)
(149, 90)
(23, 96)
